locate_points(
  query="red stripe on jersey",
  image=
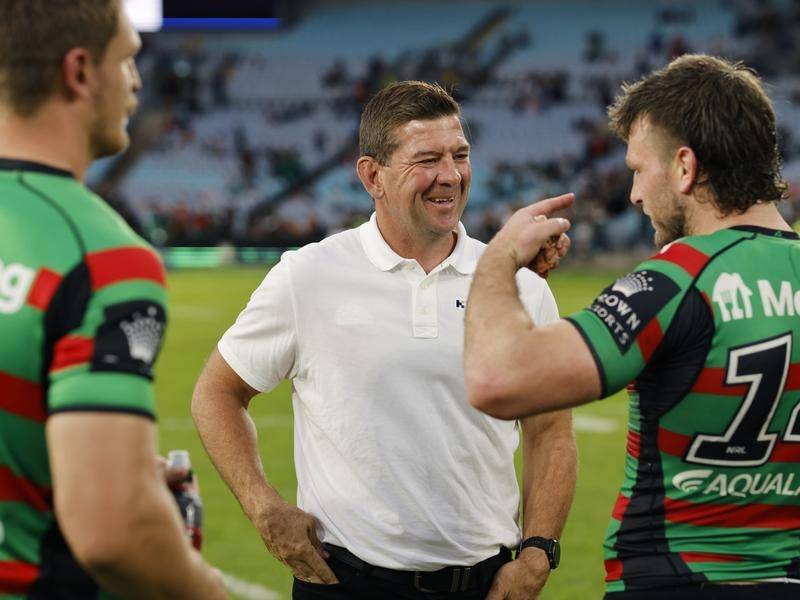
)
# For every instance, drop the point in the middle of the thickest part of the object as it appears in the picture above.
(674, 444)
(18, 489)
(650, 338)
(71, 350)
(687, 258)
(21, 397)
(17, 577)
(785, 452)
(620, 506)
(793, 378)
(766, 516)
(44, 288)
(692, 557)
(712, 381)
(121, 264)
(634, 443)
(613, 569)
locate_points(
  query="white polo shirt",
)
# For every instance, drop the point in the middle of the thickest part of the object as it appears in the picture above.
(390, 456)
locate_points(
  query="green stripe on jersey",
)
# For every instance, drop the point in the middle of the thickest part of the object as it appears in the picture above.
(103, 391)
(23, 528)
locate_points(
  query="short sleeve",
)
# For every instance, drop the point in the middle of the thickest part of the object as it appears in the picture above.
(106, 325)
(626, 323)
(261, 346)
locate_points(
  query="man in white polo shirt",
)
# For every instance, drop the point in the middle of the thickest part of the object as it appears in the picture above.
(404, 490)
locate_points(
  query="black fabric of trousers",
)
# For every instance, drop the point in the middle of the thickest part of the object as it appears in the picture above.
(360, 585)
(710, 591)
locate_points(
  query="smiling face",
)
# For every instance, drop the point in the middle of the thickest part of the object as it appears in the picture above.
(425, 183)
(653, 188)
(115, 96)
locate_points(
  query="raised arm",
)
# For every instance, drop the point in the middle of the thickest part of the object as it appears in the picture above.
(513, 368)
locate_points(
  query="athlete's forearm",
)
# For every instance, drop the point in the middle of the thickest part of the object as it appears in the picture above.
(155, 561)
(550, 463)
(115, 511)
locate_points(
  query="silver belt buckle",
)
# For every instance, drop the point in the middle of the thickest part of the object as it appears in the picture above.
(418, 583)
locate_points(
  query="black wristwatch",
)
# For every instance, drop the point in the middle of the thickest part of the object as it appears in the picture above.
(551, 548)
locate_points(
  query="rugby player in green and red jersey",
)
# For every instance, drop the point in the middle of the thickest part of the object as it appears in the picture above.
(84, 510)
(705, 334)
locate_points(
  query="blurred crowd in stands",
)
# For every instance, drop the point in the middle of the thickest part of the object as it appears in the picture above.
(279, 192)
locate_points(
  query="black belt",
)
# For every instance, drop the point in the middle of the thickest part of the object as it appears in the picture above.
(448, 579)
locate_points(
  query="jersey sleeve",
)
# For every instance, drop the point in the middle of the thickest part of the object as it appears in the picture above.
(106, 326)
(625, 324)
(261, 346)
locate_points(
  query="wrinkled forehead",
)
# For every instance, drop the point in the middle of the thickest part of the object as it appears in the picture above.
(440, 134)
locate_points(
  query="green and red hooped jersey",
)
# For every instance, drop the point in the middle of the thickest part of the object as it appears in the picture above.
(706, 335)
(82, 314)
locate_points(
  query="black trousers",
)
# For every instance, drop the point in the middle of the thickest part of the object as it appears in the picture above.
(710, 591)
(355, 584)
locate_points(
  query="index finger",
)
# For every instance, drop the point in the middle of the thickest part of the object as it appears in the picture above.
(551, 205)
(320, 568)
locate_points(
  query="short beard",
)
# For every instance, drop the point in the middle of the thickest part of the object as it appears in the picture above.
(672, 228)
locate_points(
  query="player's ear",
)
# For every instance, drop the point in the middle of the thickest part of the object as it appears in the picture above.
(688, 169)
(369, 173)
(77, 70)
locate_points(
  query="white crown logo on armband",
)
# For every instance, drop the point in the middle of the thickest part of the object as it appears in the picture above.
(143, 334)
(633, 284)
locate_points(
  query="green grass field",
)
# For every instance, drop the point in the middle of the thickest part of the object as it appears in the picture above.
(205, 302)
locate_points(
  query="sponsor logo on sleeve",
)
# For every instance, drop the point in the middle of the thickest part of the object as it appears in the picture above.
(130, 337)
(631, 303)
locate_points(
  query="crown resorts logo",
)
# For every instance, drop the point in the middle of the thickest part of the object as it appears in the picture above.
(633, 283)
(143, 334)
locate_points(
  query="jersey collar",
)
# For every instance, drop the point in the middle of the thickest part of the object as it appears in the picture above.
(778, 233)
(13, 164)
(380, 254)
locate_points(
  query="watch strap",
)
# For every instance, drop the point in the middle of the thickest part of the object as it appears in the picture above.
(545, 544)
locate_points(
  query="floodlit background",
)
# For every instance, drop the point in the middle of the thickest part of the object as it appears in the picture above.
(246, 144)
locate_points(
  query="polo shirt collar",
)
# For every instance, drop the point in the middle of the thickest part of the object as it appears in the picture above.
(462, 258)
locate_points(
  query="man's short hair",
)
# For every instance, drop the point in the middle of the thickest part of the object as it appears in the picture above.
(720, 110)
(34, 37)
(395, 105)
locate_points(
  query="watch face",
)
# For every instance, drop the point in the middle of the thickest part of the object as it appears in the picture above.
(556, 553)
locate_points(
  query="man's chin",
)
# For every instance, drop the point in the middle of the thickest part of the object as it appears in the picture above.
(110, 146)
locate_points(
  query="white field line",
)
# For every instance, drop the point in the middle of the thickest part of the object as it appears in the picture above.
(247, 590)
(593, 424)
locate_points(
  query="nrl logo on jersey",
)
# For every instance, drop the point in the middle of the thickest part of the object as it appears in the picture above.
(740, 485)
(144, 335)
